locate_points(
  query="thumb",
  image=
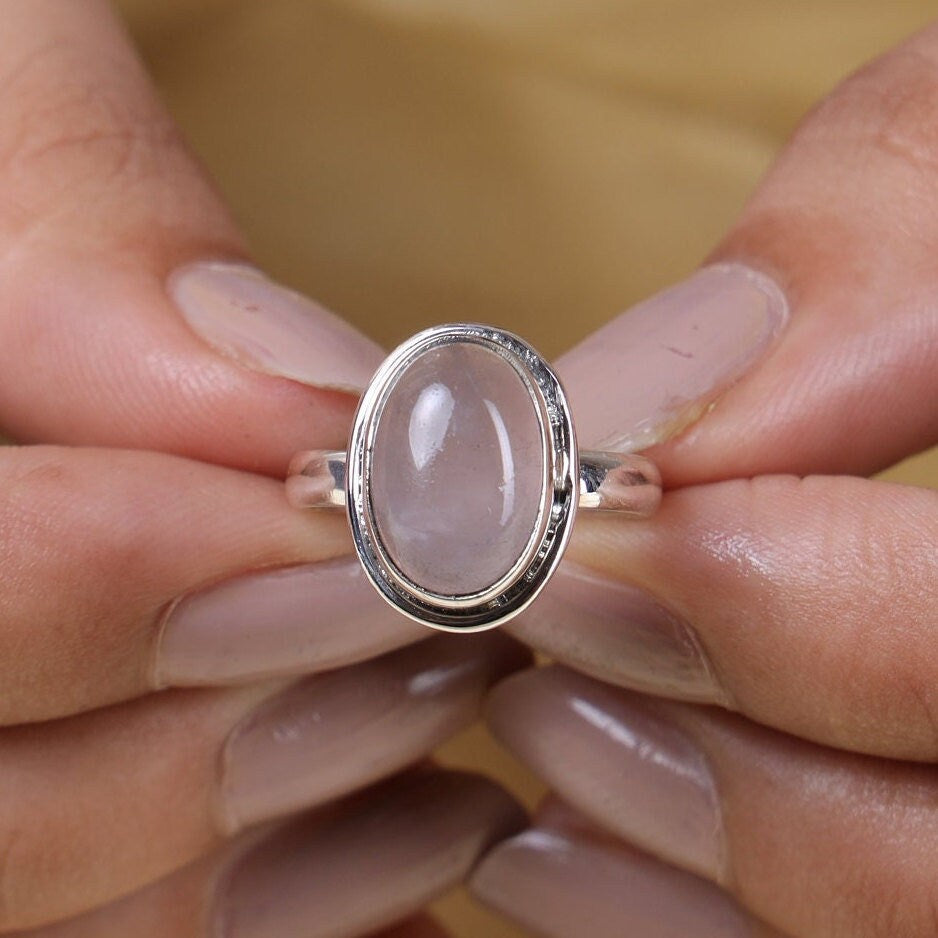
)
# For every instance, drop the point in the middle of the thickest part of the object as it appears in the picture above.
(128, 316)
(811, 342)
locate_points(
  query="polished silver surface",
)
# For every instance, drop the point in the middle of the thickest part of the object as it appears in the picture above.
(316, 479)
(520, 584)
(602, 481)
(621, 482)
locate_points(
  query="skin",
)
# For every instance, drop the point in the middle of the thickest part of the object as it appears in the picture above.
(148, 475)
(102, 201)
(812, 592)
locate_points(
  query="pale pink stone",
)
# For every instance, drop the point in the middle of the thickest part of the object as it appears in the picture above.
(458, 468)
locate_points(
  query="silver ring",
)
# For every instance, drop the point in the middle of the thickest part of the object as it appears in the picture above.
(462, 477)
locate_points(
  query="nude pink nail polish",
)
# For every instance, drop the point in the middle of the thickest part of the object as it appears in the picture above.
(618, 633)
(657, 367)
(366, 862)
(568, 884)
(333, 733)
(615, 757)
(269, 328)
(284, 621)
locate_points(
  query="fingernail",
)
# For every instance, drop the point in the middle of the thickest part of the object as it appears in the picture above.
(615, 757)
(655, 369)
(333, 733)
(283, 621)
(368, 862)
(618, 633)
(564, 884)
(265, 326)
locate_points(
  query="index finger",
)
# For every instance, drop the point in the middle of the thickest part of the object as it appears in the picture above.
(810, 342)
(127, 315)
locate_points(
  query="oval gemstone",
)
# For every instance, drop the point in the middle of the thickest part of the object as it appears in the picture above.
(457, 469)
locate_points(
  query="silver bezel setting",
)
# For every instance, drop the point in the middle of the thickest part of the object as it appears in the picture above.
(531, 571)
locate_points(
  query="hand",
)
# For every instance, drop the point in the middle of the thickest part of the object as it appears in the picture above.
(775, 584)
(155, 372)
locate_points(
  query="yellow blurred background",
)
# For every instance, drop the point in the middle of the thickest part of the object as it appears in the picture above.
(536, 163)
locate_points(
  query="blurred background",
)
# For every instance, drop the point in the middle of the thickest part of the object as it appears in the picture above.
(540, 164)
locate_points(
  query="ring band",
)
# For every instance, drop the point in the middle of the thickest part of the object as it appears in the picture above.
(622, 482)
(462, 477)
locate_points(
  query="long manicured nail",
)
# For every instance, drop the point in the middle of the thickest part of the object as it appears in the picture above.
(284, 621)
(368, 862)
(335, 732)
(265, 326)
(615, 757)
(619, 634)
(565, 884)
(655, 369)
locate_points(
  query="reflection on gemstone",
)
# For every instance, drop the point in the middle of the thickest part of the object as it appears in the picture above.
(429, 422)
(507, 484)
(457, 469)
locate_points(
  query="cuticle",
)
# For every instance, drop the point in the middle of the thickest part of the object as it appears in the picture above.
(686, 727)
(225, 818)
(155, 678)
(714, 678)
(723, 871)
(219, 923)
(696, 649)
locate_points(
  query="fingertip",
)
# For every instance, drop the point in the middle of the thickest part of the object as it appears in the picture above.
(567, 883)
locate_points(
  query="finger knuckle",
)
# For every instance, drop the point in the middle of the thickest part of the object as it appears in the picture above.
(904, 124)
(47, 491)
(889, 106)
(76, 127)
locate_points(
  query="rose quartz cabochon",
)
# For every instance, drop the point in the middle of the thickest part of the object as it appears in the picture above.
(458, 468)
